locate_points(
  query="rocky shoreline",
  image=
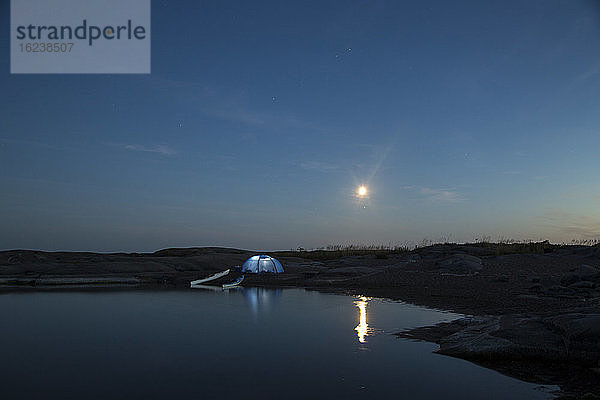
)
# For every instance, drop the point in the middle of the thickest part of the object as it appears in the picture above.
(534, 314)
(549, 349)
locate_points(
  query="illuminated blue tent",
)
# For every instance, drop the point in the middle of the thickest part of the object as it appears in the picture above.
(262, 263)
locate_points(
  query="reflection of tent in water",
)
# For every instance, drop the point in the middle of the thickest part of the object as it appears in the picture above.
(261, 298)
(261, 263)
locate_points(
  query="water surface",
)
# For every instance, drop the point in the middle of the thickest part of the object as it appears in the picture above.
(250, 342)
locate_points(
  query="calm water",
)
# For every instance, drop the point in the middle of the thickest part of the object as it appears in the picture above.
(254, 343)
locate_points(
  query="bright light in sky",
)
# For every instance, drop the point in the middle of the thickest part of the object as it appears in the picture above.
(362, 191)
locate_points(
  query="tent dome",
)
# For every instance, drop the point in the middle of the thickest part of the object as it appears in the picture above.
(262, 263)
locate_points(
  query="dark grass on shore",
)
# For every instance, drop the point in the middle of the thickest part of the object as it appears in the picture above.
(482, 247)
(333, 252)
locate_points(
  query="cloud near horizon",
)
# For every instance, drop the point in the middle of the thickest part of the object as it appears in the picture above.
(572, 225)
(442, 195)
(158, 149)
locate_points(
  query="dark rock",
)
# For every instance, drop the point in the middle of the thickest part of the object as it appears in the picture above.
(578, 325)
(571, 337)
(570, 279)
(537, 288)
(559, 290)
(349, 271)
(580, 334)
(461, 264)
(583, 272)
(412, 258)
(586, 270)
(583, 285)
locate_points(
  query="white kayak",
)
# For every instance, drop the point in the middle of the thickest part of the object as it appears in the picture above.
(207, 287)
(210, 278)
(234, 283)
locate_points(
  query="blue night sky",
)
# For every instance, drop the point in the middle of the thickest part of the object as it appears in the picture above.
(260, 120)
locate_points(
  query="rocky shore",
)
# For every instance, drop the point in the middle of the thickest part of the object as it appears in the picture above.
(533, 312)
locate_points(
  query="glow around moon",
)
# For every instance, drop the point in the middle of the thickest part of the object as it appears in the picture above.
(362, 191)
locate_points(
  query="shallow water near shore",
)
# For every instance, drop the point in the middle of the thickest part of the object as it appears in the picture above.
(251, 342)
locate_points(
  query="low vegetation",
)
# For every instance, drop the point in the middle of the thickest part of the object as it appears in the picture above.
(336, 251)
(500, 247)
